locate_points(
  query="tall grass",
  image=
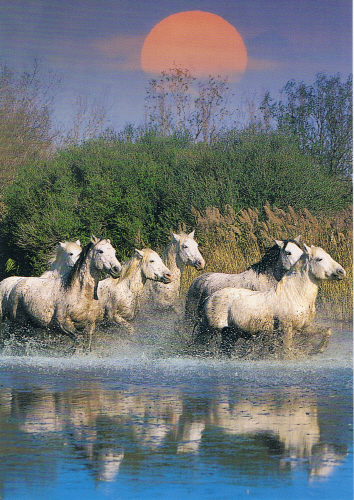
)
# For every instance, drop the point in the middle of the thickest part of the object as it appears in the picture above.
(231, 242)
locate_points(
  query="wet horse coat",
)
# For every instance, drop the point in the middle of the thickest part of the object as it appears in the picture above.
(120, 297)
(68, 304)
(288, 307)
(64, 257)
(182, 251)
(262, 275)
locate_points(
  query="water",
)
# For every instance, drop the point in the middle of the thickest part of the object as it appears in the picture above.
(135, 420)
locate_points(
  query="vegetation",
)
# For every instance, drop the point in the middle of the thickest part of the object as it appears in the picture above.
(25, 118)
(177, 103)
(136, 193)
(232, 242)
(137, 185)
(320, 116)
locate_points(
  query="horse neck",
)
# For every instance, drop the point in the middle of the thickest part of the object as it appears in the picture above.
(298, 285)
(87, 277)
(278, 270)
(135, 281)
(58, 268)
(172, 261)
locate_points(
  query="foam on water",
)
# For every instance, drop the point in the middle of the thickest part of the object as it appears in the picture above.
(138, 416)
(154, 346)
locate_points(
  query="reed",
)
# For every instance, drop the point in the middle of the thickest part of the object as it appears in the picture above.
(230, 242)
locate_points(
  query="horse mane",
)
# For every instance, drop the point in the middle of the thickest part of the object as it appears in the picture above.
(129, 267)
(58, 252)
(69, 277)
(270, 258)
(166, 257)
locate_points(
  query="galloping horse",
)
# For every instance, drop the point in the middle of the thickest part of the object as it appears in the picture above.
(120, 297)
(70, 303)
(181, 251)
(287, 308)
(262, 275)
(64, 257)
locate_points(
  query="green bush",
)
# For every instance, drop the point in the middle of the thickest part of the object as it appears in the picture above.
(135, 193)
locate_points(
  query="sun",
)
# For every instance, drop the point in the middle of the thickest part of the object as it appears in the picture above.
(201, 42)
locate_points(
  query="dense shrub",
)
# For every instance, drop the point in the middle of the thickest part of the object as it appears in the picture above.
(135, 193)
(234, 241)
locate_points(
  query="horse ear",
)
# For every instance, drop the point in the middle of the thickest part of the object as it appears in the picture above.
(298, 238)
(108, 241)
(191, 235)
(62, 245)
(307, 249)
(77, 242)
(94, 240)
(176, 236)
(280, 243)
(139, 253)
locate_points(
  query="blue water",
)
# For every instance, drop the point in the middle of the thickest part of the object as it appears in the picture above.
(134, 425)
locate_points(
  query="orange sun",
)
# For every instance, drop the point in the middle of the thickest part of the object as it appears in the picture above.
(201, 42)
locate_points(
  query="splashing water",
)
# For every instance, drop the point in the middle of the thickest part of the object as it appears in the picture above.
(139, 418)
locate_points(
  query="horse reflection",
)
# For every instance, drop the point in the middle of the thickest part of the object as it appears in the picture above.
(106, 428)
(293, 423)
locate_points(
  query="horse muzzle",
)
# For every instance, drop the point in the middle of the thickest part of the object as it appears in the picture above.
(339, 274)
(199, 264)
(166, 278)
(115, 271)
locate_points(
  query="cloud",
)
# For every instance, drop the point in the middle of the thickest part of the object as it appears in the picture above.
(271, 47)
(119, 52)
(262, 65)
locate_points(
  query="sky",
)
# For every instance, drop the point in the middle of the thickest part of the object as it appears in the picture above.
(94, 46)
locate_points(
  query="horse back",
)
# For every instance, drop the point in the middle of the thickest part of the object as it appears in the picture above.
(32, 298)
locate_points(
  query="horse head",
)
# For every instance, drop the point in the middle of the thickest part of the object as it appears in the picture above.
(68, 252)
(322, 266)
(152, 266)
(104, 256)
(188, 250)
(290, 252)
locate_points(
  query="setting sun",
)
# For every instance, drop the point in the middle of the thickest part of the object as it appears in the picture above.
(201, 42)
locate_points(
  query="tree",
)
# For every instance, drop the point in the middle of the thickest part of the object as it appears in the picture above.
(90, 122)
(26, 130)
(320, 116)
(179, 103)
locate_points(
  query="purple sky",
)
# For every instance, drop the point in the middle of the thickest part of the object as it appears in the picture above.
(95, 45)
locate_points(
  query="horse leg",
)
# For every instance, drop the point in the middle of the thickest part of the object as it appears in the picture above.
(88, 333)
(201, 333)
(288, 333)
(120, 321)
(68, 328)
(228, 338)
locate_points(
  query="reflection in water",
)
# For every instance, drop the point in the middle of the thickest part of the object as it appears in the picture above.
(106, 429)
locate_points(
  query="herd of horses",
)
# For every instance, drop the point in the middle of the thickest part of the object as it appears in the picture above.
(275, 296)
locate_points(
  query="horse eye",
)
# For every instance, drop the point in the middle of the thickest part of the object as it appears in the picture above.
(184, 246)
(318, 259)
(152, 261)
(99, 251)
(71, 254)
(287, 253)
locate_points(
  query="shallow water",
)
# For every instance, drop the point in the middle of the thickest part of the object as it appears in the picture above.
(136, 420)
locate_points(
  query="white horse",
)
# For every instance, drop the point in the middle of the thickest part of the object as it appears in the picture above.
(120, 297)
(287, 308)
(64, 257)
(70, 303)
(181, 251)
(262, 275)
